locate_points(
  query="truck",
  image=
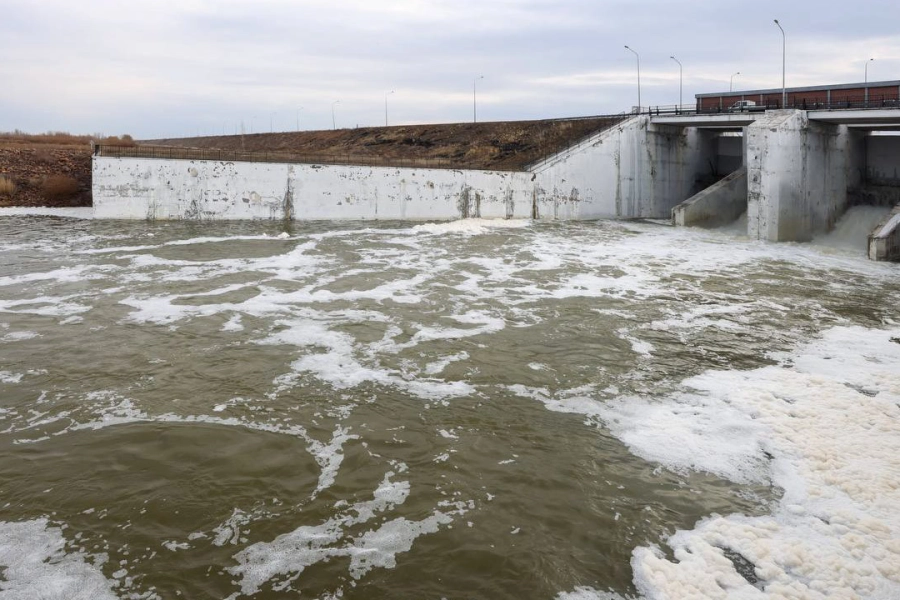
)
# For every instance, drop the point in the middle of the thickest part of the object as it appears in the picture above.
(745, 106)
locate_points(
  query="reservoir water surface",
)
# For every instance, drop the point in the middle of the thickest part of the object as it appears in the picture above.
(473, 409)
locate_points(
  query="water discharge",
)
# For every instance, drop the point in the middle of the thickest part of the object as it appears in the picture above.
(462, 410)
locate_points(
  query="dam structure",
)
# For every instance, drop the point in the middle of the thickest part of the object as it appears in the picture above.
(793, 171)
(605, 167)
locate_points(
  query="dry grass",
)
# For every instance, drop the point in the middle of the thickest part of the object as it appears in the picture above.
(7, 187)
(125, 140)
(57, 188)
(62, 138)
(57, 138)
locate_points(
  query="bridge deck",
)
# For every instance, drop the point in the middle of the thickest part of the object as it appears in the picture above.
(880, 119)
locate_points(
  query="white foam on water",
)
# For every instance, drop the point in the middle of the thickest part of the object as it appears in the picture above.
(579, 401)
(378, 549)
(852, 230)
(8, 377)
(173, 546)
(637, 346)
(329, 457)
(731, 445)
(35, 565)
(830, 421)
(293, 552)
(233, 324)
(81, 212)
(185, 242)
(471, 226)
(339, 367)
(45, 306)
(725, 316)
(64, 275)
(229, 532)
(437, 367)
(736, 227)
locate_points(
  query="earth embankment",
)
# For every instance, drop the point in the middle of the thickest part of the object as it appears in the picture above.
(51, 172)
(503, 145)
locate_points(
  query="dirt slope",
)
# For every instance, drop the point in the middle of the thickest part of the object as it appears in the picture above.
(503, 145)
(30, 166)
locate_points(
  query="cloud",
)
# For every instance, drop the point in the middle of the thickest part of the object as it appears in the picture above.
(166, 67)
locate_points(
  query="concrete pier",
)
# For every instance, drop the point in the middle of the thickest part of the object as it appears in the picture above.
(798, 175)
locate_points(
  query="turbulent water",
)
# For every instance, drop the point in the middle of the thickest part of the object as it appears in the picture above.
(465, 410)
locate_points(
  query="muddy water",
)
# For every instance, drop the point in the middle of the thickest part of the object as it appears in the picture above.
(372, 410)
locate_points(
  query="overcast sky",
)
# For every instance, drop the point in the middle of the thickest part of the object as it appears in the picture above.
(156, 68)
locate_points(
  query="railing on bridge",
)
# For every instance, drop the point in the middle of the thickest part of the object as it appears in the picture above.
(837, 103)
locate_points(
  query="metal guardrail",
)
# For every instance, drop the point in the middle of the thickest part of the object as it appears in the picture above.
(839, 103)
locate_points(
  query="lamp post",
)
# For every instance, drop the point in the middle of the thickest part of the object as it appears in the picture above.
(638, 74)
(783, 53)
(333, 124)
(272, 122)
(731, 82)
(298, 117)
(680, 79)
(475, 99)
(867, 81)
(385, 107)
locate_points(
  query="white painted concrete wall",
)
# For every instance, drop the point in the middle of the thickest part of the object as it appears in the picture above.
(632, 170)
(140, 188)
(798, 175)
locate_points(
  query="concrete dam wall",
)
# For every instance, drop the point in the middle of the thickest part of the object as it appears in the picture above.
(140, 188)
(631, 170)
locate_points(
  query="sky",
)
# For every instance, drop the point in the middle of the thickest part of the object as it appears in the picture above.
(161, 68)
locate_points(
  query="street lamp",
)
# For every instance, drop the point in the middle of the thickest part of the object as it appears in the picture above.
(385, 107)
(272, 122)
(867, 81)
(639, 75)
(475, 99)
(298, 118)
(731, 82)
(333, 125)
(680, 79)
(783, 52)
